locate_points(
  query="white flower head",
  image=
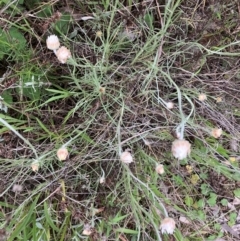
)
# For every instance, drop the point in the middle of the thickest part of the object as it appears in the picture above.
(63, 54)
(167, 225)
(53, 42)
(62, 154)
(170, 105)
(159, 169)
(181, 149)
(216, 132)
(126, 157)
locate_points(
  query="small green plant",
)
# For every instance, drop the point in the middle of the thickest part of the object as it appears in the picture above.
(98, 100)
(237, 192)
(12, 43)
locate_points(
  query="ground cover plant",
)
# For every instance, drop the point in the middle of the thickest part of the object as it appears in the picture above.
(119, 120)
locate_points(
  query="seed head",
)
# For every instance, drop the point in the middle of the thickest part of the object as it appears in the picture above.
(52, 42)
(181, 149)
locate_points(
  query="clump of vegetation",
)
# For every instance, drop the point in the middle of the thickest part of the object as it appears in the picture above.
(119, 120)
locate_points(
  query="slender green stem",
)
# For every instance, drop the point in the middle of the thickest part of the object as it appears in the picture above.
(20, 136)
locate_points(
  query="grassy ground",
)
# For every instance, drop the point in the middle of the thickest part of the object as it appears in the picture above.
(129, 60)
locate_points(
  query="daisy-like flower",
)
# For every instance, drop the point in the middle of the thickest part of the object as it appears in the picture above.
(159, 169)
(202, 97)
(63, 54)
(216, 132)
(167, 225)
(53, 42)
(126, 157)
(170, 105)
(62, 154)
(181, 149)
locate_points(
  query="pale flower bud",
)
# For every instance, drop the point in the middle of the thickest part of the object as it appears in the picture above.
(202, 97)
(178, 135)
(159, 169)
(87, 230)
(53, 42)
(189, 169)
(126, 157)
(63, 54)
(62, 154)
(102, 180)
(218, 99)
(167, 225)
(102, 90)
(216, 133)
(170, 105)
(181, 149)
(17, 188)
(232, 159)
(99, 34)
(35, 166)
